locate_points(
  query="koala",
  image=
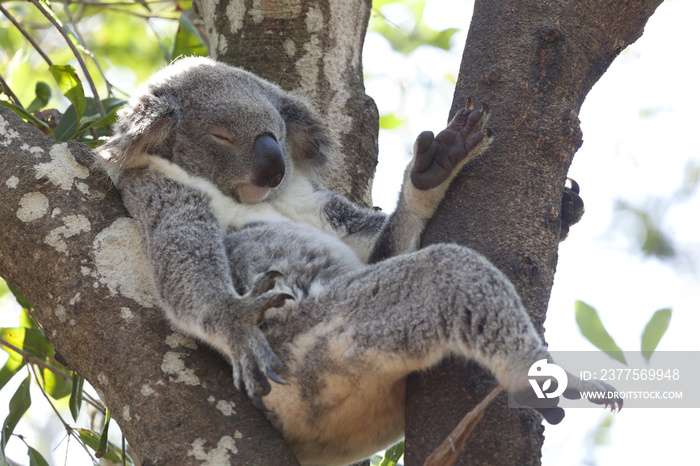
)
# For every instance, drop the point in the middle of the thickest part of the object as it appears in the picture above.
(321, 307)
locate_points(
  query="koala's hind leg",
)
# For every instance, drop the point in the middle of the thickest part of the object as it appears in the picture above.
(367, 330)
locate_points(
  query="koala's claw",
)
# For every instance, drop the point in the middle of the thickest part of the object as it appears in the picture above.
(470, 103)
(572, 208)
(257, 401)
(272, 376)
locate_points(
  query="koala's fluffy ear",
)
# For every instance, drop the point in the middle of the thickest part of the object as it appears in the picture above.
(309, 139)
(144, 125)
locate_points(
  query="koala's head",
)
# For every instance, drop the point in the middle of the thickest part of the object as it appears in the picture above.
(221, 123)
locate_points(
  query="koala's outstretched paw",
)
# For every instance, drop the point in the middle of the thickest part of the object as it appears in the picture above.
(435, 157)
(571, 208)
(607, 392)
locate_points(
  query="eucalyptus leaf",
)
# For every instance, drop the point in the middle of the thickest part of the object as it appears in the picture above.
(25, 115)
(113, 452)
(35, 458)
(103, 444)
(24, 302)
(592, 328)
(76, 396)
(43, 95)
(654, 331)
(70, 85)
(19, 404)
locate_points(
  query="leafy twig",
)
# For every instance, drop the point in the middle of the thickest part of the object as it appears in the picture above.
(34, 360)
(66, 426)
(61, 30)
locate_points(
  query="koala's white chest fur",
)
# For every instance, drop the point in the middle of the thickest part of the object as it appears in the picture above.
(296, 216)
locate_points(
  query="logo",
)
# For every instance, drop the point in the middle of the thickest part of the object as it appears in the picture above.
(542, 368)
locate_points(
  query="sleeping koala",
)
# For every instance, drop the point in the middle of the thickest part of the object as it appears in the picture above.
(292, 282)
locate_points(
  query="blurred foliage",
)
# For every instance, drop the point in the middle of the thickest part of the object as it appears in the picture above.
(45, 83)
(412, 31)
(406, 32)
(593, 330)
(652, 237)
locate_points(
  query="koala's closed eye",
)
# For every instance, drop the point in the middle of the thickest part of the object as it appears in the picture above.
(222, 138)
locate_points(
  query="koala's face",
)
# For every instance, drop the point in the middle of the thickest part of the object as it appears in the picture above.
(231, 133)
(220, 123)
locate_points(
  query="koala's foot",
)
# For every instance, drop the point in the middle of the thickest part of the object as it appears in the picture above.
(436, 157)
(523, 392)
(252, 359)
(571, 208)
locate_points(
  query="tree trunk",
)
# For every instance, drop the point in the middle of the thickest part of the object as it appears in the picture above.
(534, 63)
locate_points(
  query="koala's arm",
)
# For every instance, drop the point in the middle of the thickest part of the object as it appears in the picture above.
(183, 242)
(436, 161)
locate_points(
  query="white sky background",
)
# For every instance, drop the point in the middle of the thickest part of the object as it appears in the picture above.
(624, 156)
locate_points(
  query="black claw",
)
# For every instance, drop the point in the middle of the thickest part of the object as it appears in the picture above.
(257, 401)
(470, 103)
(487, 132)
(483, 107)
(271, 374)
(273, 274)
(574, 186)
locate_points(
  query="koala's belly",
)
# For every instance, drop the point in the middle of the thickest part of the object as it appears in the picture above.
(306, 257)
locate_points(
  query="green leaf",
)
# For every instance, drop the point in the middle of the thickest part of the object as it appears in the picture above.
(11, 367)
(393, 455)
(24, 302)
(654, 331)
(103, 445)
(43, 95)
(592, 328)
(188, 41)
(390, 121)
(35, 458)
(67, 127)
(24, 114)
(71, 87)
(19, 404)
(76, 396)
(55, 385)
(30, 340)
(113, 452)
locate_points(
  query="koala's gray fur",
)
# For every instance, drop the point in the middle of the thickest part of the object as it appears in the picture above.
(249, 254)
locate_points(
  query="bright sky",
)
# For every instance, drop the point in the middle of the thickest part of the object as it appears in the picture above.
(624, 156)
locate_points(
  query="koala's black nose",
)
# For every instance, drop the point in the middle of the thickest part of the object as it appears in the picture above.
(269, 162)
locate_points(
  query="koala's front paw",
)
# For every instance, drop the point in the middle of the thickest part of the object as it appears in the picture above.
(252, 358)
(435, 157)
